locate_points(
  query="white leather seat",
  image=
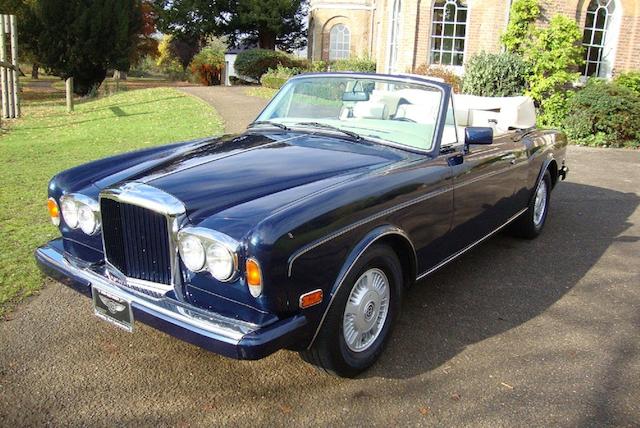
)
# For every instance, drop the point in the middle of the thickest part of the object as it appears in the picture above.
(370, 110)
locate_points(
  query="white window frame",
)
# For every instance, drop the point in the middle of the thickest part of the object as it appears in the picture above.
(395, 28)
(459, 5)
(339, 49)
(606, 50)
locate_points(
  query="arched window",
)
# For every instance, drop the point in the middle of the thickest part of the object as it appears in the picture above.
(448, 32)
(598, 38)
(393, 36)
(339, 42)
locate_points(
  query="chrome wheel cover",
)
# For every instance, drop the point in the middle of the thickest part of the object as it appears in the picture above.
(366, 310)
(540, 204)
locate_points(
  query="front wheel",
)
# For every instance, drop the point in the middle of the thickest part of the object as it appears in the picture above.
(531, 222)
(361, 317)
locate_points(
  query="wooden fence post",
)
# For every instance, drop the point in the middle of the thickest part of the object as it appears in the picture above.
(3, 71)
(14, 60)
(69, 90)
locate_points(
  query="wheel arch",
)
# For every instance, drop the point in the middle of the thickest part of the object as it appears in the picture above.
(389, 235)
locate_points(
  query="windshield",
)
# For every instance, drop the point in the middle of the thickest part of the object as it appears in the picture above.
(397, 112)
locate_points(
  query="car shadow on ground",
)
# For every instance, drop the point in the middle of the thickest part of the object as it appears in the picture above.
(505, 282)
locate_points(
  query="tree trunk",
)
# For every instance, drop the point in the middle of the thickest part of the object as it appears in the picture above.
(266, 40)
(35, 70)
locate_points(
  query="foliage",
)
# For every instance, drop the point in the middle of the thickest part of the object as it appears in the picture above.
(277, 77)
(316, 66)
(264, 23)
(48, 140)
(207, 66)
(630, 80)
(521, 27)
(84, 38)
(553, 56)
(362, 64)
(167, 61)
(495, 75)
(604, 114)
(253, 63)
(554, 109)
(146, 43)
(441, 73)
(29, 27)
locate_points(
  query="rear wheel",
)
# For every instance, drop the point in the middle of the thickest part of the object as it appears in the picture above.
(530, 224)
(361, 316)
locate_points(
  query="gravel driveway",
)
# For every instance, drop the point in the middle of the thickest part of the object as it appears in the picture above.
(516, 333)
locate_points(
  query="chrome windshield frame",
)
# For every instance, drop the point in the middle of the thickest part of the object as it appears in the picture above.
(444, 88)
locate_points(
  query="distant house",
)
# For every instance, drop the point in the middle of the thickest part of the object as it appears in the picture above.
(403, 34)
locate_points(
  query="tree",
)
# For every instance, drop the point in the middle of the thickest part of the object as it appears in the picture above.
(29, 29)
(265, 23)
(521, 27)
(84, 38)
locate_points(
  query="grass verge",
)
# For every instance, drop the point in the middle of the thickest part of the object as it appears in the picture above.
(47, 140)
(260, 92)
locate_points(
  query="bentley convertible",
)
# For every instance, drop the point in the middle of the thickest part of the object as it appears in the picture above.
(305, 231)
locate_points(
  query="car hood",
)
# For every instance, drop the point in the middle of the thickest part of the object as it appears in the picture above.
(226, 173)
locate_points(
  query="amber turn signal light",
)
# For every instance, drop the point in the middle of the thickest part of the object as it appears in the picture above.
(254, 277)
(311, 298)
(54, 211)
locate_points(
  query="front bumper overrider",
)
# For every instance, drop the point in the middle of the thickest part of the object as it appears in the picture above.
(223, 335)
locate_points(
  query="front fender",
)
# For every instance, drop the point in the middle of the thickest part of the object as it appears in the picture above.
(376, 235)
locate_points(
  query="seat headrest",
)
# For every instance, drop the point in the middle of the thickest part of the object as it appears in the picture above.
(370, 110)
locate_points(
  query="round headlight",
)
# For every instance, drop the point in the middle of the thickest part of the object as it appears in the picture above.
(70, 212)
(192, 253)
(220, 262)
(87, 219)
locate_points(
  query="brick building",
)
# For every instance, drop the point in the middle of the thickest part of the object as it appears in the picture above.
(403, 34)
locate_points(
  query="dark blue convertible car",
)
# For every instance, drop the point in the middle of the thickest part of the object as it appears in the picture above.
(303, 232)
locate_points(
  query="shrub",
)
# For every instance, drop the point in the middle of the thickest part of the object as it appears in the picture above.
(167, 62)
(317, 66)
(495, 75)
(554, 110)
(442, 73)
(253, 63)
(238, 81)
(358, 64)
(553, 56)
(207, 66)
(521, 27)
(275, 78)
(630, 80)
(604, 114)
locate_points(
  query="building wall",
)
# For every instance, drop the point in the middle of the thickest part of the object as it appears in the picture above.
(369, 22)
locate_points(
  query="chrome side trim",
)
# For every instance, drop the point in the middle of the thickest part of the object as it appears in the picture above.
(362, 222)
(469, 247)
(159, 201)
(459, 253)
(341, 279)
(229, 330)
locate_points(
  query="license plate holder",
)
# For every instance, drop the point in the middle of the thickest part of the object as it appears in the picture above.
(112, 308)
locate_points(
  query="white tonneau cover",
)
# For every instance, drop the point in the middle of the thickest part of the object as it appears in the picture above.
(502, 114)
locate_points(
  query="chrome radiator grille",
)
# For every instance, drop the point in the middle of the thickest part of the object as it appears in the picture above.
(136, 241)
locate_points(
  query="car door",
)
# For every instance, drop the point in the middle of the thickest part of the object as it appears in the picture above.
(485, 180)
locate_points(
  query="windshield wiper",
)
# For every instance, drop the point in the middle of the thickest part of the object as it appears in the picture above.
(268, 122)
(333, 128)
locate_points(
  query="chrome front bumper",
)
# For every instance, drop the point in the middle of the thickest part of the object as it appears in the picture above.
(226, 336)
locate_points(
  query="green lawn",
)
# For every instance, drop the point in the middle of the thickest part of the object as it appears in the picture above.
(260, 92)
(47, 140)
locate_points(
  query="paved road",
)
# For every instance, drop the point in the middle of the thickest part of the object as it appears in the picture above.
(236, 108)
(516, 333)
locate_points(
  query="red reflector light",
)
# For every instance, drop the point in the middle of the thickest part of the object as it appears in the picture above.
(311, 298)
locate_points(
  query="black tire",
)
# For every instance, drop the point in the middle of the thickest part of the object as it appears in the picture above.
(525, 226)
(330, 351)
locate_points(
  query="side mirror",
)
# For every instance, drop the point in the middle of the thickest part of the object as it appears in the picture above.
(478, 135)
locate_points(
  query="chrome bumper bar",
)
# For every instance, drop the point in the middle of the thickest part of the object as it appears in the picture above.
(227, 336)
